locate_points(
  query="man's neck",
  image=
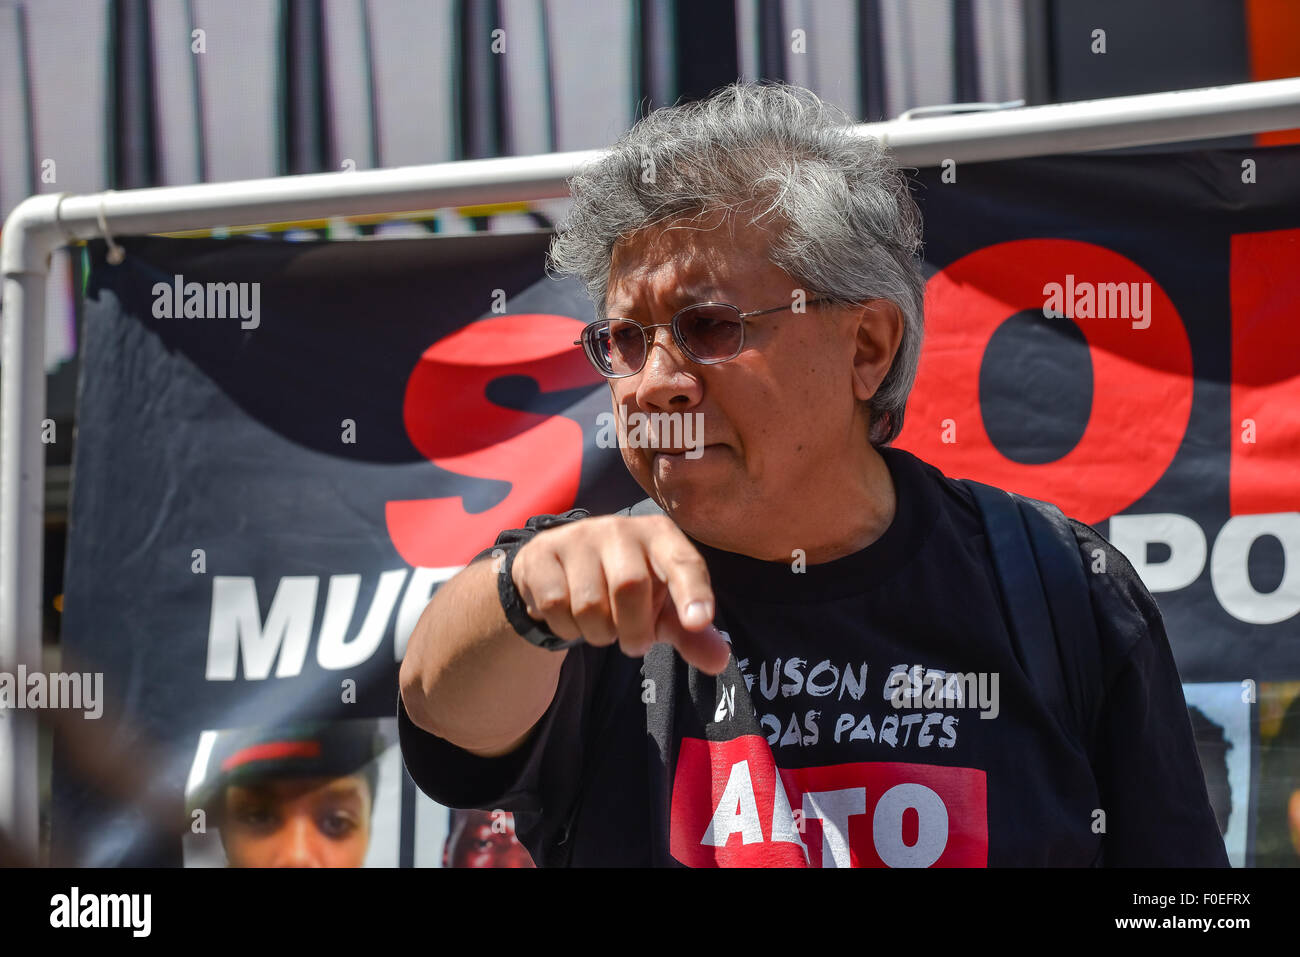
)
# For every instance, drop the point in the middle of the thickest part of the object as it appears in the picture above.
(840, 513)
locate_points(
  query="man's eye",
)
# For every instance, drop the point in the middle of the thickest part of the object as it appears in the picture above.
(256, 818)
(705, 323)
(625, 336)
(337, 824)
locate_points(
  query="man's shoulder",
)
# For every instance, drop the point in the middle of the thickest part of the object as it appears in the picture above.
(1117, 592)
(1093, 547)
(1125, 613)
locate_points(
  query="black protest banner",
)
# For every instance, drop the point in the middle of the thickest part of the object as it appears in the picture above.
(285, 447)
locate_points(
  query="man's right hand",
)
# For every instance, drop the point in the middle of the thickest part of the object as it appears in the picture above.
(635, 581)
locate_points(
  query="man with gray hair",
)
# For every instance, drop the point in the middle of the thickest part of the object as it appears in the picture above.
(796, 652)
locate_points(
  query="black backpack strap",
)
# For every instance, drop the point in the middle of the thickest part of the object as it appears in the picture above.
(1045, 589)
(1029, 620)
(1069, 600)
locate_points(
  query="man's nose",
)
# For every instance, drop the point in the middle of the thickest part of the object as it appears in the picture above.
(669, 379)
(297, 848)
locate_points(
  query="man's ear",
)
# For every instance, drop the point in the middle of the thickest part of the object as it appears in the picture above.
(878, 336)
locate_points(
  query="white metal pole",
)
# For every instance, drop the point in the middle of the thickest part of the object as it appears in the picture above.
(39, 224)
(1089, 125)
(972, 137)
(22, 489)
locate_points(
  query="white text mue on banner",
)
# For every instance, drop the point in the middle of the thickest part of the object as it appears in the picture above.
(241, 643)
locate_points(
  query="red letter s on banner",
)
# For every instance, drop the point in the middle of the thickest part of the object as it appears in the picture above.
(453, 424)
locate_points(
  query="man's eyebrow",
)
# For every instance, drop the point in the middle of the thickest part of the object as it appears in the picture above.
(344, 787)
(342, 799)
(706, 292)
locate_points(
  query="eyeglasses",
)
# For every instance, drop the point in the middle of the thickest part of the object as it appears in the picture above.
(707, 333)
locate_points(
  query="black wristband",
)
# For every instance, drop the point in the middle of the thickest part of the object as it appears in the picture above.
(512, 603)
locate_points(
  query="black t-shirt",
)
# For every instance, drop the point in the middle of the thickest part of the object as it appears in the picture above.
(873, 713)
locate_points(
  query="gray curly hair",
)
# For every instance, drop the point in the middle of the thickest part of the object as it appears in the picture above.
(847, 226)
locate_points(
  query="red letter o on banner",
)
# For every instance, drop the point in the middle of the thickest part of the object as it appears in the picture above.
(1142, 378)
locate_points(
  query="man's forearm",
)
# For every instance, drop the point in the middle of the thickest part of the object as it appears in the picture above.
(468, 677)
